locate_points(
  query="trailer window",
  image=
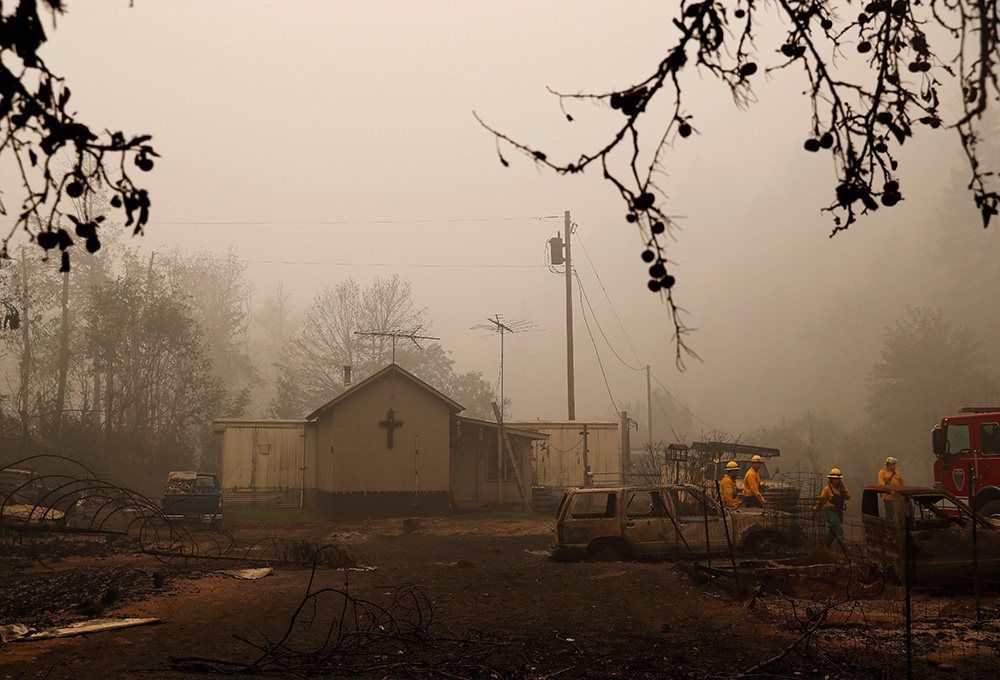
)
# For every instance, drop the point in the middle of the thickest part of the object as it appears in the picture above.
(956, 442)
(989, 438)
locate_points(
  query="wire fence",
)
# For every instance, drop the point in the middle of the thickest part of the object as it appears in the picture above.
(916, 590)
(73, 503)
(867, 620)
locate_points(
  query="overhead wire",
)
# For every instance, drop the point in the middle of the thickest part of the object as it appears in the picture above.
(397, 264)
(584, 296)
(569, 450)
(610, 304)
(683, 407)
(597, 353)
(670, 425)
(272, 223)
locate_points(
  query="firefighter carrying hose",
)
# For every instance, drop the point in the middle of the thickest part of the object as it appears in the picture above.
(752, 497)
(727, 486)
(832, 501)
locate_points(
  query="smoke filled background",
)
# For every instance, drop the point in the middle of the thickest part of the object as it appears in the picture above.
(311, 153)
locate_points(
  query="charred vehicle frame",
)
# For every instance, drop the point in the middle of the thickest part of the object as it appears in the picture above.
(664, 521)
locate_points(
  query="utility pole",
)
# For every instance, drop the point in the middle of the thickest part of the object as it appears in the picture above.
(570, 388)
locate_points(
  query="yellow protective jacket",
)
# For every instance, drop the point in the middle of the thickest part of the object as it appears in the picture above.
(887, 478)
(751, 484)
(728, 491)
(832, 498)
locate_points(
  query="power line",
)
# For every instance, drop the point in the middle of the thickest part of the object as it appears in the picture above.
(592, 342)
(685, 408)
(611, 304)
(666, 417)
(583, 296)
(320, 263)
(274, 223)
(558, 450)
(395, 264)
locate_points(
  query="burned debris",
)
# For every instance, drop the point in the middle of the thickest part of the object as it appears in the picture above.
(55, 598)
(929, 538)
(403, 620)
(50, 517)
(334, 633)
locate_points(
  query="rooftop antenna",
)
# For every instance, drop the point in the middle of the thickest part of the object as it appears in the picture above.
(497, 324)
(395, 335)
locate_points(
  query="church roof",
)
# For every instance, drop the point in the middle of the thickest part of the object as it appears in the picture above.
(453, 406)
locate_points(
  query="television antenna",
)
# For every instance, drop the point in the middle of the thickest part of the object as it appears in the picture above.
(497, 324)
(395, 335)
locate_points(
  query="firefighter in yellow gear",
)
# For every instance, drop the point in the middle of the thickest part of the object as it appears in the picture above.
(728, 491)
(832, 502)
(752, 497)
(889, 476)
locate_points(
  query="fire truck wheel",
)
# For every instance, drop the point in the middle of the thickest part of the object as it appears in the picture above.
(991, 510)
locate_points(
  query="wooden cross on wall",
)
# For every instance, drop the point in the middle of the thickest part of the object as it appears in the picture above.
(389, 424)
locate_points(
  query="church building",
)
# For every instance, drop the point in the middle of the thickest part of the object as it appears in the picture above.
(389, 446)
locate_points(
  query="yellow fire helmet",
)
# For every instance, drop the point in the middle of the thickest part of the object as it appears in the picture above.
(756, 459)
(835, 474)
(732, 465)
(891, 461)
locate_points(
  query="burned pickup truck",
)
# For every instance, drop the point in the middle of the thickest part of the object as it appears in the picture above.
(947, 544)
(194, 497)
(663, 521)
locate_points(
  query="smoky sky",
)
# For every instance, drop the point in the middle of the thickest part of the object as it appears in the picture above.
(323, 140)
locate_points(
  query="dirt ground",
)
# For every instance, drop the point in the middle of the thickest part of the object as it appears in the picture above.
(460, 597)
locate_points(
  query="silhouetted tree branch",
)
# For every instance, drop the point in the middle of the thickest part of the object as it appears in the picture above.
(39, 136)
(875, 80)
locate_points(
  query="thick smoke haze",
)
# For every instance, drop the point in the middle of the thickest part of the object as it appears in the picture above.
(322, 141)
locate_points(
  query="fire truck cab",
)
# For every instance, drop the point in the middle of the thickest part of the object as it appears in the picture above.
(967, 448)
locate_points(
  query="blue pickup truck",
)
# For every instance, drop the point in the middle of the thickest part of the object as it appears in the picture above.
(194, 497)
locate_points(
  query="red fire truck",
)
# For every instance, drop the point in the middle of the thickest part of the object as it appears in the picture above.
(967, 447)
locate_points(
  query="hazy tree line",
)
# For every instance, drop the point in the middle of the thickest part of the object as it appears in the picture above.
(125, 360)
(310, 368)
(931, 363)
(932, 359)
